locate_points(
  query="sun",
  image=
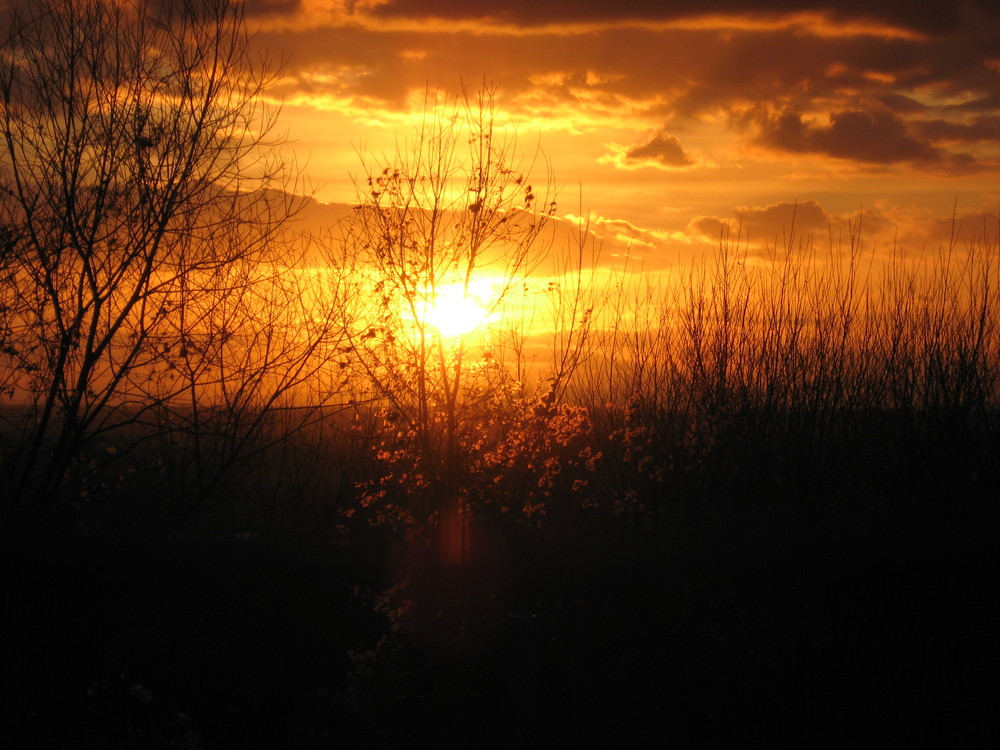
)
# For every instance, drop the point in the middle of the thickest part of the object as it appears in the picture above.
(455, 310)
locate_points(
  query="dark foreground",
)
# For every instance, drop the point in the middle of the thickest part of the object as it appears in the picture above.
(696, 636)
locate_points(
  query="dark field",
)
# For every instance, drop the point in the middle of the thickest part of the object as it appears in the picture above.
(697, 634)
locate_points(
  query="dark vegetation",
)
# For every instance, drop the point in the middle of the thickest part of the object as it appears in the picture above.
(815, 572)
(755, 503)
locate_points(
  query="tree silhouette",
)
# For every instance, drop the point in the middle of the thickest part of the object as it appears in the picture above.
(147, 278)
(452, 204)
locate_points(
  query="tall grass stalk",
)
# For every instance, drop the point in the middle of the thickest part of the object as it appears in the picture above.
(825, 374)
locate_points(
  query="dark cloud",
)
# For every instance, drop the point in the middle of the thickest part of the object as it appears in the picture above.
(989, 103)
(663, 148)
(874, 136)
(966, 228)
(979, 130)
(687, 72)
(252, 8)
(272, 7)
(859, 97)
(927, 16)
(779, 222)
(901, 103)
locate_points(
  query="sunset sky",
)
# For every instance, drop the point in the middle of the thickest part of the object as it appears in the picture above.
(672, 117)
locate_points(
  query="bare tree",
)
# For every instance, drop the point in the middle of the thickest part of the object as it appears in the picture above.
(450, 206)
(145, 267)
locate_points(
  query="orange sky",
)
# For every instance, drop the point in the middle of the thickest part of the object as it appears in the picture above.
(675, 116)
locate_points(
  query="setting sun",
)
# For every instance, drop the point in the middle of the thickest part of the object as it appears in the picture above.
(455, 310)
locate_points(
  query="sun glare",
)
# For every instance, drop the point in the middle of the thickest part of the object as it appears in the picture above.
(456, 310)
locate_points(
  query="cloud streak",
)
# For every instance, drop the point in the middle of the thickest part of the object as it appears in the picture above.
(932, 18)
(657, 106)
